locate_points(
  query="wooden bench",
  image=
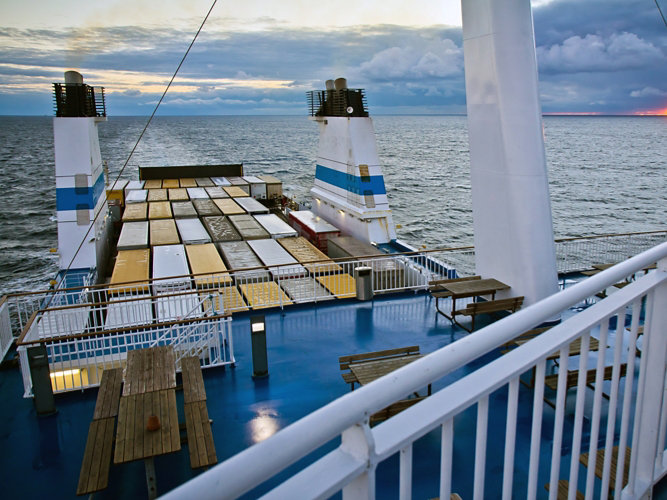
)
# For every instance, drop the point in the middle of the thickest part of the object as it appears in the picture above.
(108, 394)
(197, 423)
(525, 336)
(394, 409)
(193, 380)
(345, 361)
(573, 375)
(562, 491)
(488, 307)
(200, 436)
(599, 464)
(94, 475)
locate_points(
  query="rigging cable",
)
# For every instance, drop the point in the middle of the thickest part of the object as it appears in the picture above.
(660, 10)
(201, 26)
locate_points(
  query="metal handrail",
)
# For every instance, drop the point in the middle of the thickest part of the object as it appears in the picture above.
(230, 272)
(262, 461)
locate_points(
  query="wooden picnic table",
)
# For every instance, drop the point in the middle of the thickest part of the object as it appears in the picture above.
(471, 288)
(149, 390)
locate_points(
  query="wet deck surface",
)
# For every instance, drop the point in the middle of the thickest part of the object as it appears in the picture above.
(41, 457)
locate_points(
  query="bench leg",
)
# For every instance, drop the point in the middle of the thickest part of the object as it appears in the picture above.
(150, 477)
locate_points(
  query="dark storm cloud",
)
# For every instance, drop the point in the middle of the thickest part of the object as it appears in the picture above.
(593, 55)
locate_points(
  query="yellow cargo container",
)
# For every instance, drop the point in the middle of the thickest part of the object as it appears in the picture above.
(204, 258)
(187, 182)
(159, 210)
(307, 254)
(117, 191)
(163, 232)
(153, 184)
(170, 183)
(264, 294)
(229, 301)
(157, 195)
(235, 191)
(131, 265)
(228, 206)
(341, 285)
(135, 212)
(178, 194)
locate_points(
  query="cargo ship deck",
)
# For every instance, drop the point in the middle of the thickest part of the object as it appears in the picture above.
(304, 343)
(44, 454)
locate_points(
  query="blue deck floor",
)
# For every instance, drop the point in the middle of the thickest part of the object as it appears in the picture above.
(41, 457)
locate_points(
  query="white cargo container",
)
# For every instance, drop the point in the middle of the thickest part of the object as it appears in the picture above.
(170, 260)
(133, 235)
(257, 187)
(281, 264)
(275, 226)
(134, 185)
(192, 231)
(239, 255)
(136, 196)
(251, 205)
(198, 193)
(220, 181)
(216, 192)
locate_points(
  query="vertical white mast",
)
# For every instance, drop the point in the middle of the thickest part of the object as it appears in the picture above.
(511, 208)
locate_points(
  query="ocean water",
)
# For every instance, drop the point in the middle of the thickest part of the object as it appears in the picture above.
(606, 174)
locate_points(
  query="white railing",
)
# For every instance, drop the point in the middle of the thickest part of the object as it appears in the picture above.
(6, 337)
(578, 254)
(315, 282)
(635, 414)
(80, 342)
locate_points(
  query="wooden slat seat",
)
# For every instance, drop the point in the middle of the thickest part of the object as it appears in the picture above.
(345, 361)
(525, 336)
(599, 464)
(473, 309)
(108, 395)
(394, 409)
(572, 376)
(94, 475)
(193, 380)
(200, 435)
(562, 492)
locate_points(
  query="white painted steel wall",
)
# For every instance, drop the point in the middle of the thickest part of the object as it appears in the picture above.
(344, 145)
(351, 466)
(79, 169)
(511, 208)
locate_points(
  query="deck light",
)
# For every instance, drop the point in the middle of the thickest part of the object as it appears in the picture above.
(65, 373)
(260, 365)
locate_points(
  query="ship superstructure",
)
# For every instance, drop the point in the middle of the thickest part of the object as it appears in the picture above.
(80, 178)
(349, 190)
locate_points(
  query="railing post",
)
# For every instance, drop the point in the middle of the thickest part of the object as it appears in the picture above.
(646, 461)
(6, 336)
(358, 441)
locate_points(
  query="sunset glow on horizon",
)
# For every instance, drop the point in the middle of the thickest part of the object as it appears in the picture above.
(653, 112)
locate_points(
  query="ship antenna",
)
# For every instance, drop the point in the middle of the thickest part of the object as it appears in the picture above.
(150, 118)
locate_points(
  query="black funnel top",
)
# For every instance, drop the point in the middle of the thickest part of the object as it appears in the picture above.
(343, 102)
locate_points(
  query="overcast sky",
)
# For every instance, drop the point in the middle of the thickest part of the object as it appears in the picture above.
(261, 56)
